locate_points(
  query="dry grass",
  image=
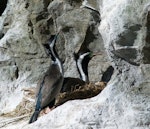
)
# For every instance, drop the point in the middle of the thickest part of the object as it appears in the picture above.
(22, 111)
(26, 106)
(83, 92)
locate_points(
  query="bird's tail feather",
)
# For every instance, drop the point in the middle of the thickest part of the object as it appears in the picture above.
(34, 117)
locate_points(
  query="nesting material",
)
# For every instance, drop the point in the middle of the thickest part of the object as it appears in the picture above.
(26, 106)
(82, 92)
(22, 111)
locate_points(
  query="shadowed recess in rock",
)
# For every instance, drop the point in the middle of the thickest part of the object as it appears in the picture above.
(128, 36)
(107, 74)
(1, 35)
(96, 17)
(146, 49)
(16, 72)
(41, 16)
(90, 37)
(50, 21)
(46, 3)
(74, 3)
(3, 4)
(30, 24)
(127, 54)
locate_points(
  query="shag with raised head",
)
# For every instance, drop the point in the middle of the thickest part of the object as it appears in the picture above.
(50, 85)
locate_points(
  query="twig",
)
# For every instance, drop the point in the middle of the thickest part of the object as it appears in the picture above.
(8, 121)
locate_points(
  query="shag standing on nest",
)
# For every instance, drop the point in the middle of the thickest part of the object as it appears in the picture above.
(50, 85)
(82, 60)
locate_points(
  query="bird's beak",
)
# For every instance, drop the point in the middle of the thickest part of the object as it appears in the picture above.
(96, 53)
(57, 33)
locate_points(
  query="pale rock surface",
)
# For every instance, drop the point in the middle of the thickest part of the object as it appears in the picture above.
(125, 102)
(26, 25)
(20, 57)
(124, 29)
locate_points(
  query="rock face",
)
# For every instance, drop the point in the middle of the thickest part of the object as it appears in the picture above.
(124, 28)
(26, 25)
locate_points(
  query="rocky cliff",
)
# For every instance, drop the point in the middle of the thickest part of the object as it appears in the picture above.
(120, 30)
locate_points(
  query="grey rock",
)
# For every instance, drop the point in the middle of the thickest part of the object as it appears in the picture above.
(26, 25)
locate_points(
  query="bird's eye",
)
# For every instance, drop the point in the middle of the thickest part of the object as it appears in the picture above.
(90, 54)
(46, 46)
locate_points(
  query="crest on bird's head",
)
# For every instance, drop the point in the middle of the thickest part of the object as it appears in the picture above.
(52, 40)
(82, 54)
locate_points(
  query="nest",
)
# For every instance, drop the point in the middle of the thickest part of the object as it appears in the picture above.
(82, 92)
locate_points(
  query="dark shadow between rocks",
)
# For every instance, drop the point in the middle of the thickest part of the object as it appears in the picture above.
(3, 4)
(107, 74)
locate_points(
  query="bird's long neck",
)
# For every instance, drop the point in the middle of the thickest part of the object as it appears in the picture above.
(82, 66)
(56, 60)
